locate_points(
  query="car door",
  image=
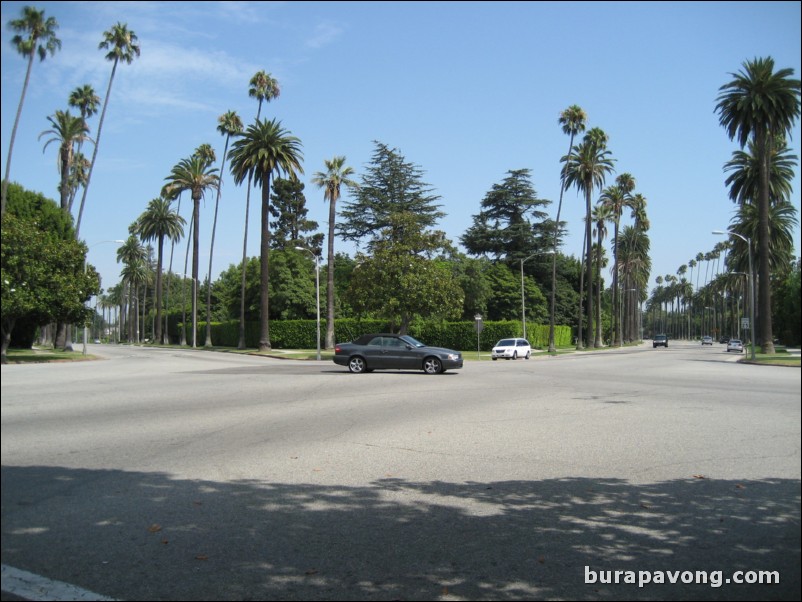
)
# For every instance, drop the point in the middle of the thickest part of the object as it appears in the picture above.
(398, 354)
(374, 353)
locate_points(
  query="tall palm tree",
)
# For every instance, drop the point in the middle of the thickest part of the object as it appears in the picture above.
(572, 121)
(86, 101)
(67, 130)
(157, 222)
(122, 45)
(335, 176)
(229, 124)
(196, 176)
(586, 167)
(617, 198)
(761, 104)
(264, 88)
(601, 215)
(132, 255)
(264, 149)
(35, 35)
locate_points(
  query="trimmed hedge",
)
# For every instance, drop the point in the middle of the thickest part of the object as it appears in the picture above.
(300, 334)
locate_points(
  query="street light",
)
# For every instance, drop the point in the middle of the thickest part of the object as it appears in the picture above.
(523, 301)
(317, 295)
(752, 324)
(119, 242)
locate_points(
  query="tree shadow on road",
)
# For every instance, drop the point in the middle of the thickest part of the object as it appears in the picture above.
(149, 536)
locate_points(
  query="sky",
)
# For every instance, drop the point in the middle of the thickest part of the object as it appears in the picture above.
(467, 91)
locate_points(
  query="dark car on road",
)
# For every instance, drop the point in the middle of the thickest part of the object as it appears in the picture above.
(384, 351)
(660, 340)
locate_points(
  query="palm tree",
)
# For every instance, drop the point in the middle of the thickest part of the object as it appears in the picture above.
(35, 35)
(196, 176)
(586, 168)
(616, 198)
(157, 222)
(263, 149)
(133, 256)
(572, 121)
(229, 124)
(86, 101)
(761, 104)
(601, 215)
(67, 131)
(335, 176)
(122, 45)
(263, 88)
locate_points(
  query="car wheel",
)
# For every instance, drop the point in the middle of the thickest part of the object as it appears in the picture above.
(432, 365)
(357, 365)
(515, 355)
(494, 359)
(527, 354)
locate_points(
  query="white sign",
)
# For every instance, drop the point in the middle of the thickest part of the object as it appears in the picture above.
(745, 323)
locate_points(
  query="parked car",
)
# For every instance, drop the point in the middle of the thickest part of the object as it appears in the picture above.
(735, 345)
(385, 351)
(707, 340)
(511, 349)
(660, 340)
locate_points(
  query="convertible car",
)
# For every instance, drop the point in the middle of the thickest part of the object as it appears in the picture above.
(385, 351)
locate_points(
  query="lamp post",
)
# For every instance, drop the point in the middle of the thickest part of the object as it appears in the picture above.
(523, 301)
(317, 296)
(748, 242)
(119, 242)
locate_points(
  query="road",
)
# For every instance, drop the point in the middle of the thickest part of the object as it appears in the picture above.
(163, 474)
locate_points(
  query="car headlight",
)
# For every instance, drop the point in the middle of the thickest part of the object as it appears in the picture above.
(452, 356)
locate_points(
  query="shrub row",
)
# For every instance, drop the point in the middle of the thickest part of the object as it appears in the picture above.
(300, 334)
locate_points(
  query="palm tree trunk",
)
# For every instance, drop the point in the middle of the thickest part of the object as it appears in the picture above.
(94, 151)
(14, 134)
(208, 342)
(241, 344)
(330, 278)
(589, 261)
(264, 280)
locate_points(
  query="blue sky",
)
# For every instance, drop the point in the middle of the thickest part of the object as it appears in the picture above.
(465, 90)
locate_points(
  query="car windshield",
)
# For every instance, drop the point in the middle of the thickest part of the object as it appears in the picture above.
(506, 343)
(411, 341)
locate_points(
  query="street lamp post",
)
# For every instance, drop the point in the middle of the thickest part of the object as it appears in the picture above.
(523, 301)
(748, 242)
(119, 242)
(317, 296)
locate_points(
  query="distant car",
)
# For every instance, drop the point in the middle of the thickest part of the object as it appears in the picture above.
(385, 351)
(707, 340)
(511, 349)
(735, 345)
(724, 340)
(660, 340)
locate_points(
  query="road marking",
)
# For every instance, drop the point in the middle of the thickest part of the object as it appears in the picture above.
(33, 587)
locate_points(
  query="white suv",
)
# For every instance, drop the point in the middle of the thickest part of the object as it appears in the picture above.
(511, 349)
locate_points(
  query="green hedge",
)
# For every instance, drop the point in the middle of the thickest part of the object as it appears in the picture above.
(300, 334)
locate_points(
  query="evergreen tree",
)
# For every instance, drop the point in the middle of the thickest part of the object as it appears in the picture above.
(290, 228)
(390, 186)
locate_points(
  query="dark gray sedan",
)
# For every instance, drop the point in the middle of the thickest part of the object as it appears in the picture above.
(384, 351)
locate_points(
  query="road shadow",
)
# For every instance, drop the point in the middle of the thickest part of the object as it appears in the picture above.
(149, 536)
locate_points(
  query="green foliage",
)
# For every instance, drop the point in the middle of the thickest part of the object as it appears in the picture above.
(288, 208)
(511, 221)
(43, 276)
(390, 186)
(300, 334)
(787, 301)
(399, 281)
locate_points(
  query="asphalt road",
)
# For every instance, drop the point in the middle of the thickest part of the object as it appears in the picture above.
(161, 474)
